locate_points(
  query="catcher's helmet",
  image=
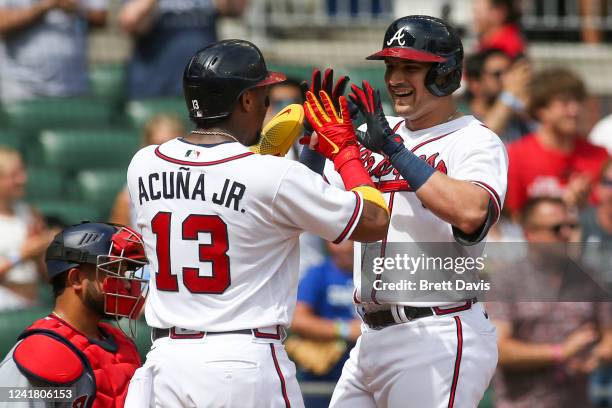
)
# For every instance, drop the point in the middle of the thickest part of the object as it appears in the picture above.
(425, 38)
(117, 252)
(218, 74)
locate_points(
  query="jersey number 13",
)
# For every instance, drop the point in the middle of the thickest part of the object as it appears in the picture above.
(215, 253)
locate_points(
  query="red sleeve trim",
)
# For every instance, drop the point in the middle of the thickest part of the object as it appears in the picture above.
(351, 222)
(493, 195)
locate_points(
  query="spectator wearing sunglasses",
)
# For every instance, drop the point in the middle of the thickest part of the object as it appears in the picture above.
(497, 92)
(556, 160)
(551, 334)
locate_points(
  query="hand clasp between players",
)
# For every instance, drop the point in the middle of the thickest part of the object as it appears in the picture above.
(335, 132)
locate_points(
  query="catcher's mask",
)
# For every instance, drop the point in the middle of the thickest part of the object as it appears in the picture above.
(118, 254)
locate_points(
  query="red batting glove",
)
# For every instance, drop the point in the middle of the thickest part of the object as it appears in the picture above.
(335, 132)
(336, 138)
(326, 84)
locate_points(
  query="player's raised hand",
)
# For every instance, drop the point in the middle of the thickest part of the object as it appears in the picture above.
(379, 138)
(335, 131)
(335, 91)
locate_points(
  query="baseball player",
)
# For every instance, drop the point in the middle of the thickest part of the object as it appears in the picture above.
(221, 228)
(443, 175)
(79, 361)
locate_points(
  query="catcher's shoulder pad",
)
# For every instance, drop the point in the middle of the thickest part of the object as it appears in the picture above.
(47, 359)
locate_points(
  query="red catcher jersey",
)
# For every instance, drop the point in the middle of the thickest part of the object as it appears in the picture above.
(221, 229)
(463, 149)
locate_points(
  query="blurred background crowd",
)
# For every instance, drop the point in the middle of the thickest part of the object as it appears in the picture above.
(84, 83)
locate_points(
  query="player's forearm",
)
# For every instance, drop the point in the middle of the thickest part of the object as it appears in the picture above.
(460, 203)
(515, 355)
(137, 16)
(373, 224)
(16, 19)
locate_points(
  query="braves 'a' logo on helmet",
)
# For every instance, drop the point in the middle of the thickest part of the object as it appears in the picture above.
(397, 37)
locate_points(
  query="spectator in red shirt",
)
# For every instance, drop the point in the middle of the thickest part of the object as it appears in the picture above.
(496, 24)
(555, 160)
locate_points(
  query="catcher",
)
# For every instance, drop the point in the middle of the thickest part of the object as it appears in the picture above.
(78, 360)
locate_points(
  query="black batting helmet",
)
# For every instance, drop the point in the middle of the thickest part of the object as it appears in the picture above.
(218, 74)
(429, 39)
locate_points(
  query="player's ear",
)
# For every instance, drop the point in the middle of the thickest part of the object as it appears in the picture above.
(74, 279)
(246, 101)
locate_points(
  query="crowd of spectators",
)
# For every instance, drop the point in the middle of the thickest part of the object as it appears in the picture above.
(559, 182)
(558, 196)
(165, 33)
(43, 46)
(548, 342)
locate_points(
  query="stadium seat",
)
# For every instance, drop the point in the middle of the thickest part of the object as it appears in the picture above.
(13, 322)
(44, 184)
(99, 187)
(51, 113)
(74, 149)
(11, 138)
(69, 212)
(107, 81)
(140, 111)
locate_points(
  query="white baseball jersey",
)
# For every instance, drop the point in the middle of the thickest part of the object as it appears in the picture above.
(221, 229)
(427, 358)
(464, 149)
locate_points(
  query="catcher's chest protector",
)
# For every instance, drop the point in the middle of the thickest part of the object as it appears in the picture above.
(112, 361)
